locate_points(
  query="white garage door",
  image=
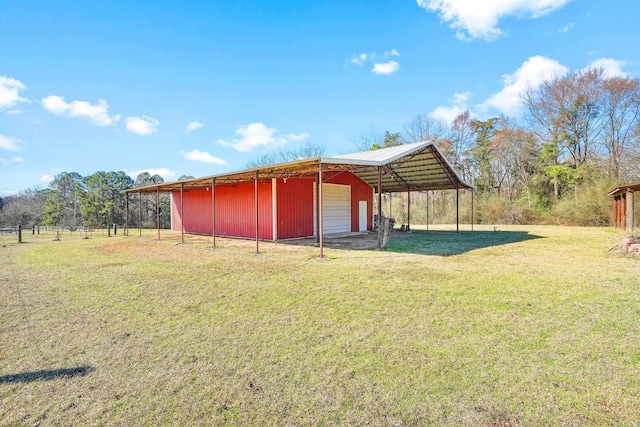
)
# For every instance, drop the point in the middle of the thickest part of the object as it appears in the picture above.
(336, 210)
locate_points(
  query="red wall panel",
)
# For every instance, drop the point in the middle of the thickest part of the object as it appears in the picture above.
(235, 211)
(295, 207)
(235, 207)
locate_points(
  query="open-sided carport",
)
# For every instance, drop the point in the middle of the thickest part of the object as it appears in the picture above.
(269, 202)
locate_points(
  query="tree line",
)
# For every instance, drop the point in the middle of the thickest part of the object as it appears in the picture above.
(96, 200)
(579, 137)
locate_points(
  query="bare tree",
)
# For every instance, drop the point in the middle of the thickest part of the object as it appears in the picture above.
(621, 109)
(423, 128)
(307, 151)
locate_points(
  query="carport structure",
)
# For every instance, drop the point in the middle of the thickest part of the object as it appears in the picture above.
(286, 200)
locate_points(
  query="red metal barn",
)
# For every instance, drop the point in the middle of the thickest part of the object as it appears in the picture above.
(286, 201)
(286, 207)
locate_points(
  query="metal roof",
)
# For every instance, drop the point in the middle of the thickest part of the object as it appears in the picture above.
(410, 167)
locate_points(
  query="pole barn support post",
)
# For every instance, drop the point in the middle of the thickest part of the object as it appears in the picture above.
(379, 225)
(213, 211)
(257, 214)
(158, 210)
(182, 213)
(427, 210)
(408, 210)
(140, 213)
(126, 214)
(472, 209)
(318, 184)
(320, 212)
(457, 209)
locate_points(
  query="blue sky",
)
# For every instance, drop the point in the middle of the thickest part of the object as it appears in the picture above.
(201, 88)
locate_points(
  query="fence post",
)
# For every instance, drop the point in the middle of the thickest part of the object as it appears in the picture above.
(33, 229)
(19, 233)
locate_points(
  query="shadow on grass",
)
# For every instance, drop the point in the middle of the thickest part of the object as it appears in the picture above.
(447, 243)
(27, 377)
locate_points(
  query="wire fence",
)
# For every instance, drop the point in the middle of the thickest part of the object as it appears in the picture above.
(10, 235)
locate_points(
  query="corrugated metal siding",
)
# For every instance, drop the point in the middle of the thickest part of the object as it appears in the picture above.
(235, 211)
(295, 207)
(236, 214)
(360, 190)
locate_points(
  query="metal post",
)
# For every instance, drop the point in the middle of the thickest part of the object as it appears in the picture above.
(472, 209)
(158, 210)
(320, 213)
(257, 214)
(126, 214)
(318, 184)
(140, 212)
(213, 211)
(379, 243)
(427, 210)
(457, 209)
(408, 210)
(182, 213)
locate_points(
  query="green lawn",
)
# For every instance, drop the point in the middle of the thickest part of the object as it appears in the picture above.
(525, 326)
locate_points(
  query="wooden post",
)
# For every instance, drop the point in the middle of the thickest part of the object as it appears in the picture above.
(630, 214)
(19, 233)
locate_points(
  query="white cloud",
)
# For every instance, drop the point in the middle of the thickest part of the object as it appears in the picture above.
(144, 125)
(386, 68)
(448, 114)
(8, 143)
(531, 74)
(46, 178)
(359, 59)
(202, 157)
(98, 114)
(297, 136)
(612, 67)
(258, 134)
(473, 19)
(566, 28)
(163, 172)
(194, 126)
(10, 92)
(392, 52)
(18, 160)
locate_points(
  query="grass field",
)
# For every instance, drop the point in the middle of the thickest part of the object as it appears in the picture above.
(526, 326)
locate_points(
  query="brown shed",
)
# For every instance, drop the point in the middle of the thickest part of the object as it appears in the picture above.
(623, 206)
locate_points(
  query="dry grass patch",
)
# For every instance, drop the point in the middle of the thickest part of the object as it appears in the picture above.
(538, 331)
